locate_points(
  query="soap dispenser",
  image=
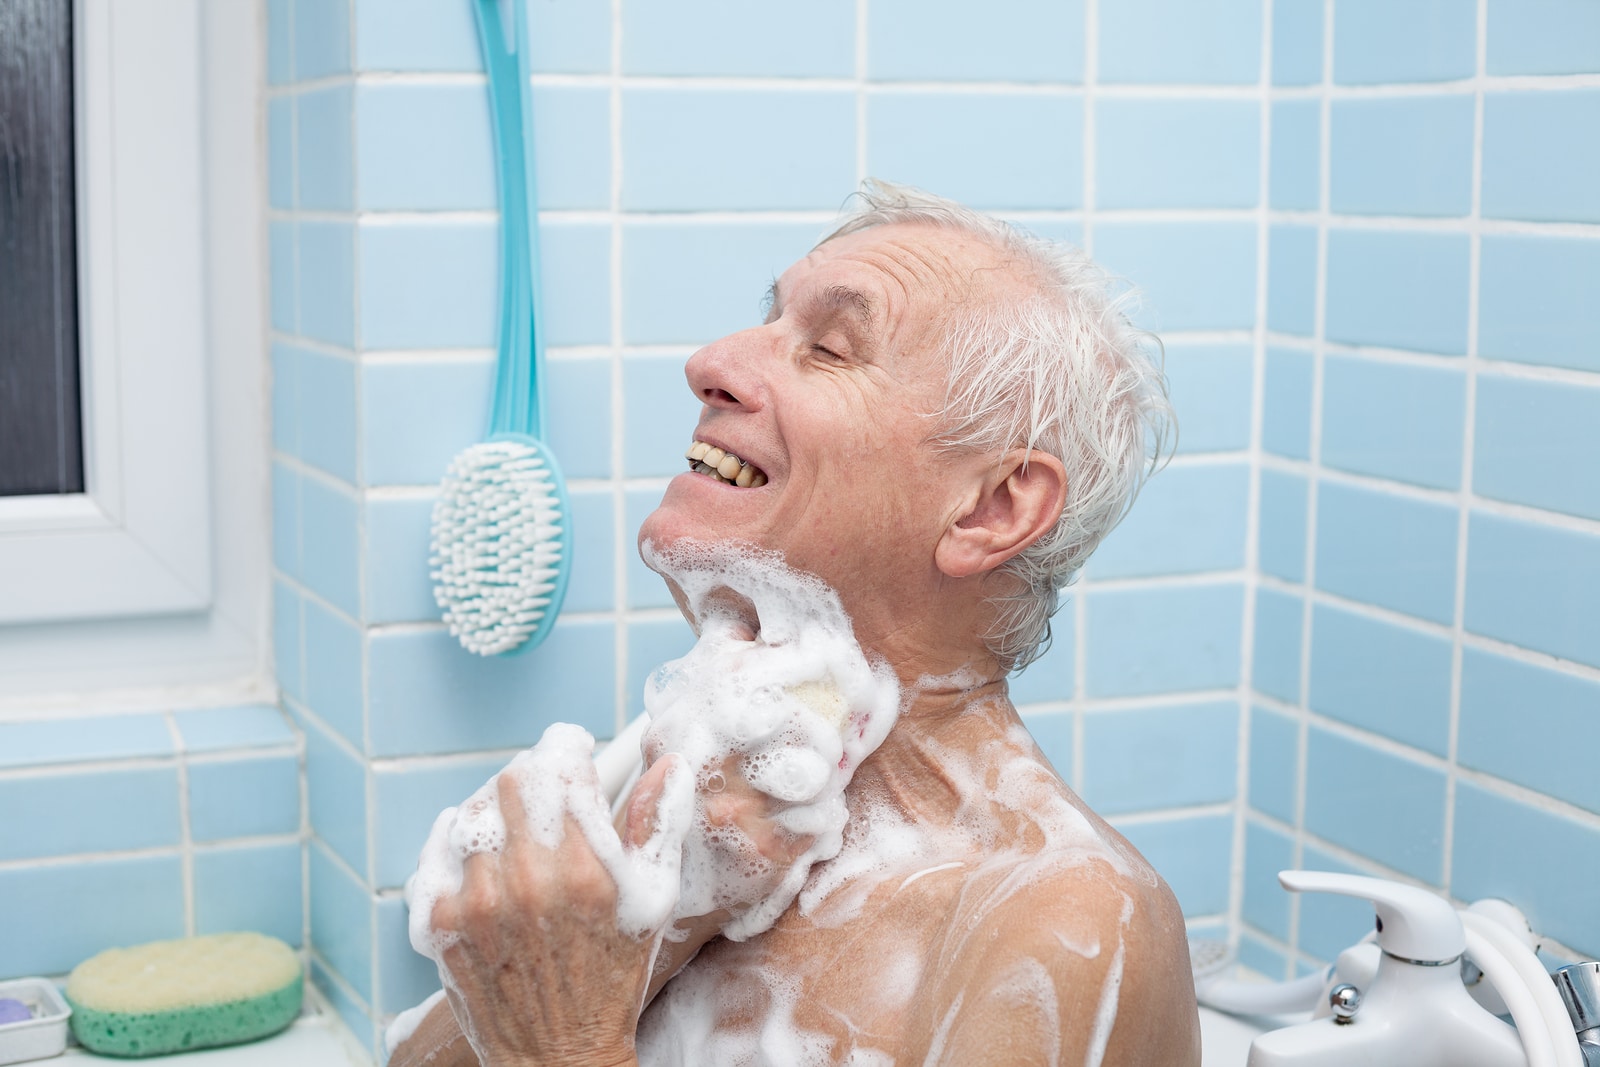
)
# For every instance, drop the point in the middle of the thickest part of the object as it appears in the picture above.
(1415, 1012)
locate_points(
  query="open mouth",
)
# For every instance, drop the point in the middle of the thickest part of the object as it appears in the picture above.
(725, 467)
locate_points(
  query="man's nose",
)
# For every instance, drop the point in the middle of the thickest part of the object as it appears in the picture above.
(725, 373)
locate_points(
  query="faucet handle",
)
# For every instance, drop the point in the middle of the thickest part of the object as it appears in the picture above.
(1579, 986)
(1413, 924)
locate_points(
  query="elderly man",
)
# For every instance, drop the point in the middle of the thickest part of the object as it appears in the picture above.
(941, 419)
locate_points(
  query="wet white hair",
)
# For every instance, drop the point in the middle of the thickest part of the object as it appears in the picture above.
(1059, 369)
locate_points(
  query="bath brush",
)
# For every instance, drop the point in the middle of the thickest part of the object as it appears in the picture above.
(195, 992)
(502, 542)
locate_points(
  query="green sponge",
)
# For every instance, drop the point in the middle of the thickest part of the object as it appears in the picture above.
(196, 992)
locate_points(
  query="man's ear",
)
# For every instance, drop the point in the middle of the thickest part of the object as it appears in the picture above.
(1017, 503)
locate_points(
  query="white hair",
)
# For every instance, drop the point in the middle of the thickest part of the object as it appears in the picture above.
(1060, 370)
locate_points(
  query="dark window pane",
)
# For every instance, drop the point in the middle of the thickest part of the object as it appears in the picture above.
(40, 435)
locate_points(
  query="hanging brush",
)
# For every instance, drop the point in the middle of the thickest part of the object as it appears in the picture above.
(502, 541)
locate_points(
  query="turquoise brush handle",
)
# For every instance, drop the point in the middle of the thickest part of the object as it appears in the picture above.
(518, 404)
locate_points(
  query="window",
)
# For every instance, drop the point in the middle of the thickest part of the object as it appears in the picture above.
(154, 574)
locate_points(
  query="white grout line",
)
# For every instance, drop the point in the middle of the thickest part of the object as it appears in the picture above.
(620, 526)
(185, 824)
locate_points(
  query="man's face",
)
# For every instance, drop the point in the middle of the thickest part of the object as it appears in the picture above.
(830, 401)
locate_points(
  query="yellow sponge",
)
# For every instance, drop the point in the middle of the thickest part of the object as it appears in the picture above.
(197, 992)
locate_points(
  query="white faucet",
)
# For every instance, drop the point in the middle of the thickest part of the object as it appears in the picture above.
(1415, 1011)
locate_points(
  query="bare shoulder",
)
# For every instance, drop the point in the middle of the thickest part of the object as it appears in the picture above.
(1084, 963)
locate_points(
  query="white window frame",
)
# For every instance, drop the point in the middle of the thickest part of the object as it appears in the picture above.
(155, 576)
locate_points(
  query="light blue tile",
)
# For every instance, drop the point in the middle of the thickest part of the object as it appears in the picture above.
(418, 35)
(355, 1015)
(1515, 276)
(1286, 413)
(578, 407)
(407, 799)
(1297, 42)
(993, 151)
(1392, 551)
(693, 282)
(1274, 763)
(650, 644)
(429, 284)
(1210, 504)
(323, 154)
(330, 543)
(1402, 156)
(429, 695)
(1523, 723)
(98, 811)
(1177, 153)
(286, 520)
(1380, 677)
(257, 888)
(1211, 389)
(1052, 732)
(424, 147)
(1266, 903)
(327, 405)
(1330, 924)
(1282, 526)
(333, 670)
(1294, 174)
(700, 37)
(246, 727)
(710, 149)
(1377, 41)
(661, 415)
(1546, 863)
(1401, 290)
(569, 37)
(1534, 586)
(1275, 666)
(405, 978)
(575, 283)
(946, 40)
(286, 640)
(1292, 279)
(592, 586)
(1540, 155)
(1062, 231)
(416, 416)
(327, 282)
(645, 587)
(286, 399)
(1050, 677)
(280, 153)
(1520, 426)
(341, 922)
(1146, 758)
(280, 48)
(1376, 804)
(399, 536)
(284, 282)
(1394, 420)
(1196, 627)
(1193, 855)
(44, 741)
(1543, 37)
(321, 38)
(76, 910)
(336, 798)
(1195, 275)
(1262, 958)
(244, 798)
(1177, 42)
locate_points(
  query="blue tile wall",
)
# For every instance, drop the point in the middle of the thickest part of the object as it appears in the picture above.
(1393, 551)
(250, 888)
(1195, 275)
(428, 284)
(1208, 503)
(1394, 420)
(1282, 544)
(711, 37)
(406, 801)
(336, 796)
(1533, 167)
(1403, 156)
(326, 281)
(1266, 904)
(1329, 924)
(218, 730)
(1297, 42)
(341, 923)
(1543, 37)
(1275, 662)
(135, 808)
(1165, 757)
(1212, 385)
(1286, 420)
(321, 39)
(1396, 816)
(943, 40)
(55, 741)
(1534, 585)
(1190, 853)
(1294, 174)
(1176, 42)
(422, 147)
(1200, 624)
(1522, 317)
(110, 903)
(244, 798)
(1398, 290)
(1292, 281)
(323, 167)
(1388, 679)
(1521, 425)
(405, 977)
(1403, 40)
(1274, 763)
(280, 153)
(1052, 676)
(1177, 153)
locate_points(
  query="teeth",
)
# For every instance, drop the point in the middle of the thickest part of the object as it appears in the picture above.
(725, 467)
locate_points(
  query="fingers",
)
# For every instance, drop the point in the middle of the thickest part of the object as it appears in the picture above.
(640, 820)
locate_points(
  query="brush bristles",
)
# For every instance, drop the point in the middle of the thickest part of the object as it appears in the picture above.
(496, 545)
